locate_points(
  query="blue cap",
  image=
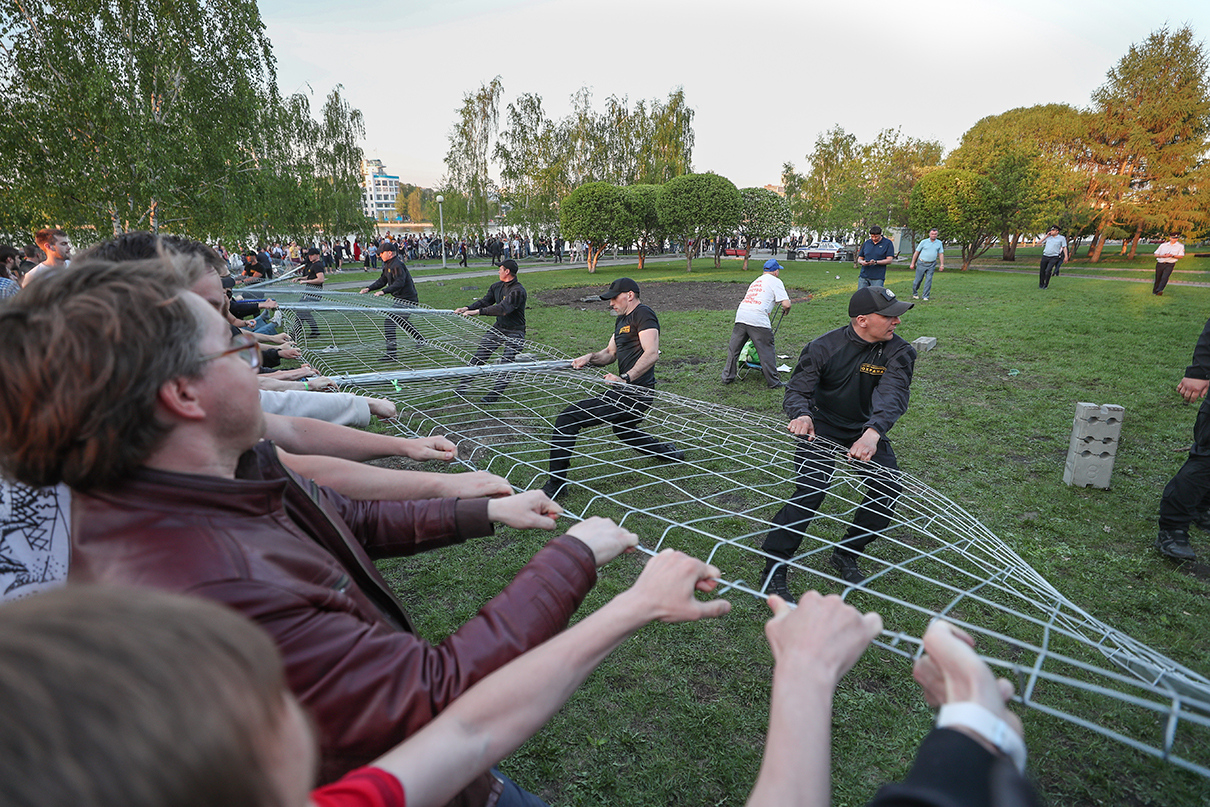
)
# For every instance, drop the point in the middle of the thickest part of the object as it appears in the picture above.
(772, 265)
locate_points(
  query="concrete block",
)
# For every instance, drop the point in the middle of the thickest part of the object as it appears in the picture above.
(1095, 434)
(924, 343)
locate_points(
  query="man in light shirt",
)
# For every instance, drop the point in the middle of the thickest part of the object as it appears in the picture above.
(1054, 255)
(929, 254)
(1166, 256)
(56, 245)
(752, 322)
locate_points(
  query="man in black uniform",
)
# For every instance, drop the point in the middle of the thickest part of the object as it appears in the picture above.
(1187, 497)
(505, 301)
(636, 345)
(850, 386)
(314, 281)
(397, 281)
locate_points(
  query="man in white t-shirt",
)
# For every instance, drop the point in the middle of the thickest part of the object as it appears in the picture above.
(752, 322)
(1166, 256)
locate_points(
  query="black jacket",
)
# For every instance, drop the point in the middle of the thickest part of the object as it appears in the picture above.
(505, 302)
(850, 383)
(396, 280)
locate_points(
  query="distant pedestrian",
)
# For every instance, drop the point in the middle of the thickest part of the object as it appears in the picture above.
(929, 255)
(1166, 256)
(1054, 255)
(874, 256)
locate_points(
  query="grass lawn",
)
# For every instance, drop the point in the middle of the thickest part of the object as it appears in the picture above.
(678, 714)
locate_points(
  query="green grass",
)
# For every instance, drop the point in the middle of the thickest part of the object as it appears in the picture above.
(678, 714)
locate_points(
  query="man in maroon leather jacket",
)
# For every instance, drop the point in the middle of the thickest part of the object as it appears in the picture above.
(131, 391)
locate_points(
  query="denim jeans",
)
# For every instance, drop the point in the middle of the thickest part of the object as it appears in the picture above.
(924, 270)
(862, 282)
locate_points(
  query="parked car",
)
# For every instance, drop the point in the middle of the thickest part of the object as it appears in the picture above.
(826, 251)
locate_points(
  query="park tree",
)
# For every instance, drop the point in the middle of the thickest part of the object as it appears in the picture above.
(466, 161)
(1149, 132)
(1033, 156)
(532, 154)
(693, 207)
(961, 204)
(639, 202)
(595, 214)
(763, 214)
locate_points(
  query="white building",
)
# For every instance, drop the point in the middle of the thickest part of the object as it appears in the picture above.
(379, 190)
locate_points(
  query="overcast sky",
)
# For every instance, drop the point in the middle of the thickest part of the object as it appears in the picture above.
(765, 77)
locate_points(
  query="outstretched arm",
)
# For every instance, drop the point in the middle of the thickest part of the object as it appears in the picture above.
(492, 719)
(813, 647)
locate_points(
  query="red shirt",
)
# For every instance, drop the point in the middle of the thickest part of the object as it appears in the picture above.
(364, 787)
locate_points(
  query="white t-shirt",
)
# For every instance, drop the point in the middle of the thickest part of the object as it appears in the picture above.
(35, 542)
(1169, 252)
(764, 293)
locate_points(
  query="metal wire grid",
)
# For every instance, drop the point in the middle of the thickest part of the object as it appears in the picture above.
(934, 559)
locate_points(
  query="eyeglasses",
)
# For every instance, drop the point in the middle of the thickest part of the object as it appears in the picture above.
(248, 349)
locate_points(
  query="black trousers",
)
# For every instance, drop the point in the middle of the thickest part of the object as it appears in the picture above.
(394, 319)
(1163, 271)
(1188, 493)
(814, 466)
(1049, 266)
(304, 315)
(762, 338)
(513, 341)
(622, 406)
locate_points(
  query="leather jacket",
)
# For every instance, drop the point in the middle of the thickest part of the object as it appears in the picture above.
(296, 558)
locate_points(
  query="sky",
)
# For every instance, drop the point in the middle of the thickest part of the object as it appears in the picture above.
(764, 77)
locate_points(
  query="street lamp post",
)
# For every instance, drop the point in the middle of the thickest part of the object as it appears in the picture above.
(441, 217)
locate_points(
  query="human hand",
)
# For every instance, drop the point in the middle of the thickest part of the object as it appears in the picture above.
(362, 291)
(614, 379)
(866, 446)
(822, 638)
(525, 511)
(478, 485)
(461, 310)
(1191, 389)
(664, 590)
(382, 408)
(269, 304)
(950, 671)
(321, 383)
(430, 448)
(606, 539)
(580, 362)
(802, 425)
(289, 352)
(379, 293)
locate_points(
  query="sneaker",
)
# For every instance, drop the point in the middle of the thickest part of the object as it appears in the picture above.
(915, 296)
(1175, 544)
(490, 398)
(778, 385)
(553, 488)
(846, 565)
(777, 583)
(926, 299)
(670, 453)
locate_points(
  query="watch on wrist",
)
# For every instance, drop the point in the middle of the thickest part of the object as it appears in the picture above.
(625, 377)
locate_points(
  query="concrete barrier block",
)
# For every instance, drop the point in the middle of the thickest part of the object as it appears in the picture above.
(924, 343)
(1095, 434)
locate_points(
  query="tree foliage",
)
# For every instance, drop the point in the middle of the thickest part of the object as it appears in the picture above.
(763, 214)
(639, 202)
(124, 114)
(961, 204)
(693, 207)
(1149, 132)
(595, 214)
(466, 161)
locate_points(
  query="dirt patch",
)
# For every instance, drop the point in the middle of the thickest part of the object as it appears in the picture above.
(691, 295)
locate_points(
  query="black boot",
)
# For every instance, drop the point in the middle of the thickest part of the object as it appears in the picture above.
(777, 583)
(1175, 544)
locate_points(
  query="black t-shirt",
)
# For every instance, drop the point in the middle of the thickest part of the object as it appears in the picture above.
(626, 329)
(314, 270)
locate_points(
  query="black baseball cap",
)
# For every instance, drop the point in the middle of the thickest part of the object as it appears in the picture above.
(622, 284)
(510, 265)
(387, 246)
(876, 300)
(1055, 227)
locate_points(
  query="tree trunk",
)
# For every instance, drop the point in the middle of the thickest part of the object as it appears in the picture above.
(1098, 242)
(153, 219)
(1134, 242)
(968, 256)
(642, 256)
(1008, 247)
(689, 255)
(747, 252)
